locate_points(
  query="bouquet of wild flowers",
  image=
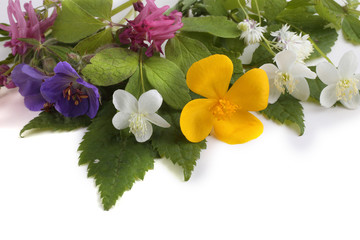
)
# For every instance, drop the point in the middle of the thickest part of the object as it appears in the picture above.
(156, 85)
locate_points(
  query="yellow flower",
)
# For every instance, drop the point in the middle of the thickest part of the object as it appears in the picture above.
(224, 111)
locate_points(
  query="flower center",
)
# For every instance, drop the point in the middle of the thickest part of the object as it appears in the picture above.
(74, 94)
(224, 109)
(137, 124)
(346, 89)
(284, 80)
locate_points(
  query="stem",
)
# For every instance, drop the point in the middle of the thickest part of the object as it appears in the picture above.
(122, 7)
(258, 10)
(141, 69)
(267, 46)
(242, 8)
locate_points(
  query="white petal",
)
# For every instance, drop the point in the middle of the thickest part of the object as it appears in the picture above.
(157, 120)
(348, 65)
(121, 120)
(146, 136)
(300, 70)
(327, 73)
(302, 90)
(124, 101)
(328, 96)
(270, 70)
(150, 101)
(284, 60)
(274, 93)
(353, 103)
(357, 76)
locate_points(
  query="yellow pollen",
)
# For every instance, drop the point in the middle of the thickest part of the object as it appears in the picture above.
(346, 89)
(224, 109)
(137, 124)
(284, 80)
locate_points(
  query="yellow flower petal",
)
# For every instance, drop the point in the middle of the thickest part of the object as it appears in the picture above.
(251, 91)
(210, 77)
(240, 128)
(196, 120)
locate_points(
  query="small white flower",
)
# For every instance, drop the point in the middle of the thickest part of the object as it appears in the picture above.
(138, 114)
(287, 40)
(343, 83)
(251, 32)
(289, 75)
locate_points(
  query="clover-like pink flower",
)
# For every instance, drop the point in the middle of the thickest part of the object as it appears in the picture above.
(151, 28)
(25, 25)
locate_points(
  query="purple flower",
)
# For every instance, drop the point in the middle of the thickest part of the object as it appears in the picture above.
(71, 95)
(151, 27)
(25, 25)
(29, 81)
(5, 80)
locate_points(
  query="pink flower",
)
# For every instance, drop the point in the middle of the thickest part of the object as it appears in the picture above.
(25, 25)
(151, 27)
(4, 79)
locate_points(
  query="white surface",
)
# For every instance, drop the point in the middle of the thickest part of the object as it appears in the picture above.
(279, 186)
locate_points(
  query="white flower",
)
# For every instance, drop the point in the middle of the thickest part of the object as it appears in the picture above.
(138, 114)
(291, 41)
(251, 32)
(343, 83)
(288, 75)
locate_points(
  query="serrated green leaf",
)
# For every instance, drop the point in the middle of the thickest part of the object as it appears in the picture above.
(135, 87)
(351, 29)
(166, 77)
(92, 43)
(216, 25)
(298, 3)
(115, 160)
(328, 14)
(54, 121)
(96, 8)
(232, 4)
(111, 66)
(171, 144)
(185, 51)
(273, 8)
(316, 86)
(215, 7)
(286, 110)
(74, 23)
(58, 51)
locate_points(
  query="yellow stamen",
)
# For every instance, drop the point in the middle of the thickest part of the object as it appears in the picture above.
(224, 109)
(346, 89)
(283, 80)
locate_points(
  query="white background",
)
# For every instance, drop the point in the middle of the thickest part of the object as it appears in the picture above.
(279, 186)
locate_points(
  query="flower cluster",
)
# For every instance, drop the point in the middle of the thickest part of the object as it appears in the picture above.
(251, 31)
(151, 28)
(25, 25)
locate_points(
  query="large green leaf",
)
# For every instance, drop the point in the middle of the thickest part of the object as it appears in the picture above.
(351, 29)
(137, 86)
(287, 110)
(216, 25)
(111, 66)
(74, 22)
(54, 121)
(273, 8)
(232, 4)
(92, 43)
(114, 159)
(166, 77)
(96, 8)
(330, 14)
(185, 51)
(171, 143)
(215, 7)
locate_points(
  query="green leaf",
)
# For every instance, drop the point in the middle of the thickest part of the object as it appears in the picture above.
(111, 66)
(232, 4)
(286, 110)
(171, 144)
(134, 86)
(30, 41)
(329, 15)
(261, 56)
(58, 51)
(96, 8)
(261, 4)
(351, 29)
(10, 59)
(185, 51)
(315, 85)
(54, 121)
(115, 160)
(215, 7)
(166, 77)
(273, 8)
(92, 43)
(216, 25)
(74, 22)
(298, 3)
(4, 39)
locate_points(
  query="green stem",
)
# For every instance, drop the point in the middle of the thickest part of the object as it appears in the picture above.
(258, 10)
(141, 70)
(242, 8)
(267, 46)
(357, 12)
(122, 7)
